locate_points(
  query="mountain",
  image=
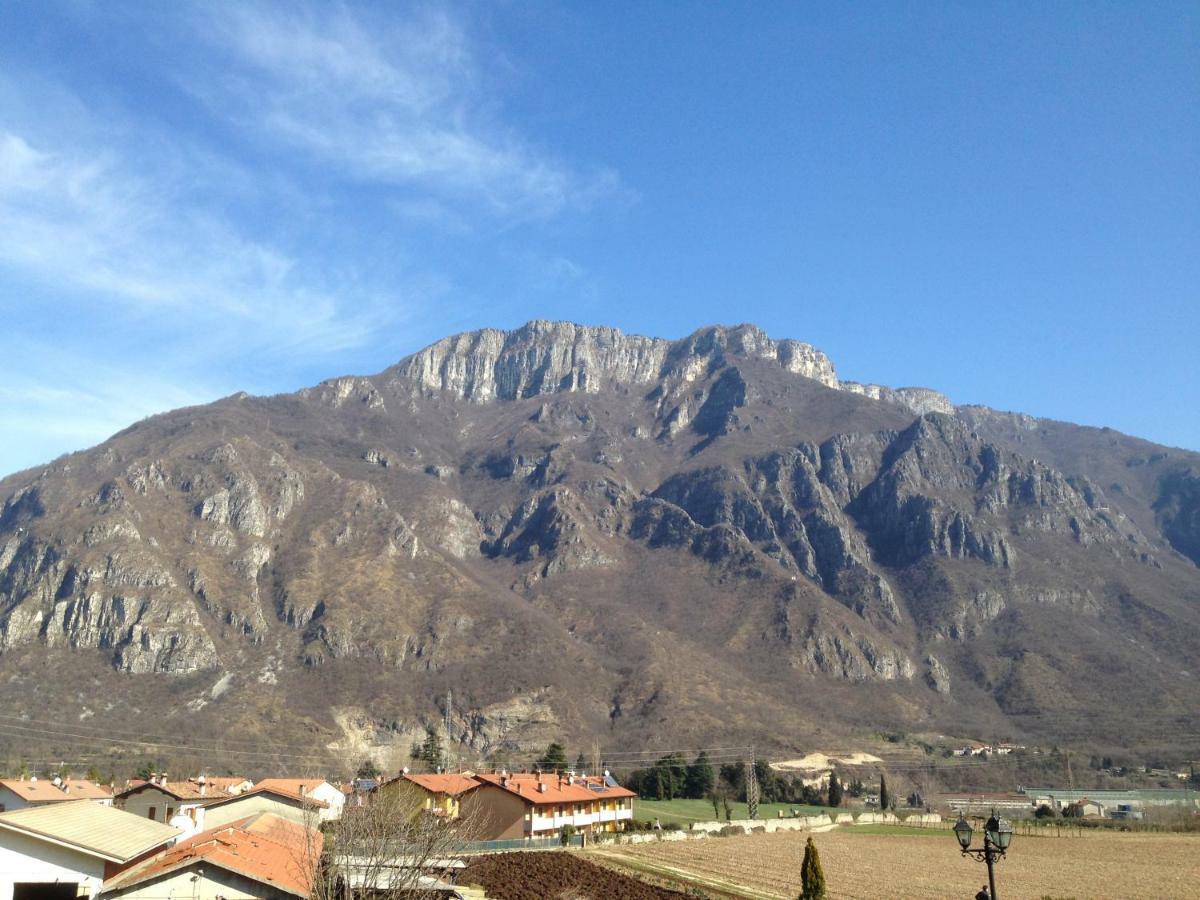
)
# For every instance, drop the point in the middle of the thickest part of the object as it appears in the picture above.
(584, 534)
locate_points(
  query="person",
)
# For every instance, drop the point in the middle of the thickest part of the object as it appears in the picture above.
(983, 893)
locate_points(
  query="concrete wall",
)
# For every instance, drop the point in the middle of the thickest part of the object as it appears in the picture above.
(332, 796)
(806, 823)
(800, 823)
(646, 837)
(24, 858)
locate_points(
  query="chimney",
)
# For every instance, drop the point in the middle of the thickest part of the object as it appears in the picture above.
(542, 787)
(203, 782)
(303, 790)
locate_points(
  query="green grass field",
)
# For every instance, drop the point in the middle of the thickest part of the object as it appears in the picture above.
(687, 811)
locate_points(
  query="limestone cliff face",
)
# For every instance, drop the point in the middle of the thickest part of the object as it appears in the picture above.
(550, 357)
(582, 531)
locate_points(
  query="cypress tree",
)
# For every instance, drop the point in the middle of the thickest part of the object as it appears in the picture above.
(700, 777)
(812, 876)
(883, 793)
(835, 790)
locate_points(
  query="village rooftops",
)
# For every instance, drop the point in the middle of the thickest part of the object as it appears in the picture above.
(180, 790)
(546, 789)
(302, 786)
(272, 789)
(264, 848)
(41, 790)
(111, 834)
(221, 782)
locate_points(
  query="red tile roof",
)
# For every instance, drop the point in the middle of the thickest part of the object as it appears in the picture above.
(222, 782)
(180, 790)
(264, 848)
(556, 790)
(451, 783)
(44, 791)
(295, 785)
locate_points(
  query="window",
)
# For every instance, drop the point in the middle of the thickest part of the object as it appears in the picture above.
(153, 813)
(33, 890)
(170, 812)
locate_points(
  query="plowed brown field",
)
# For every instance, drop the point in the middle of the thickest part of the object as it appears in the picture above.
(555, 875)
(1096, 866)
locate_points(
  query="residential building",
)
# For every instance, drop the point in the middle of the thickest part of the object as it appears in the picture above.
(20, 793)
(440, 793)
(522, 806)
(260, 857)
(263, 798)
(317, 788)
(159, 799)
(62, 851)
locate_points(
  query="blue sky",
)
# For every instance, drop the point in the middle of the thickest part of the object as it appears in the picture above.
(998, 201)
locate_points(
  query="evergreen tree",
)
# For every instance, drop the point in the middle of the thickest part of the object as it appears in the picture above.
(580, 764)
(93, 775)
(883, 792)
(734, 775)
(812, 876)
(672, 773)
(431, 750)
(835, 790)
(554, 759)
(716, 802)
(367, 769)
(700, 778)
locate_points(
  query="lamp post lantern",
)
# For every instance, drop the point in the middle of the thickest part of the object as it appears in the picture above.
(997, 835)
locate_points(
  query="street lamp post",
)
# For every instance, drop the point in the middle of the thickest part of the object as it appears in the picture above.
(997, 835)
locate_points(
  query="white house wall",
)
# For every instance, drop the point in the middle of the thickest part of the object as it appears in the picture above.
(23, 859)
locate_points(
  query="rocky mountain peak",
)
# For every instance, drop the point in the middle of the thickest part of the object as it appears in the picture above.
(544, 357)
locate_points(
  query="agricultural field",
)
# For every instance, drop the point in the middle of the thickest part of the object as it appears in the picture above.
(685, 812)
(539, 875)
(919, 864)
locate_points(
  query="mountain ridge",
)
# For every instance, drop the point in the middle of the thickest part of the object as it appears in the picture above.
(549, 520)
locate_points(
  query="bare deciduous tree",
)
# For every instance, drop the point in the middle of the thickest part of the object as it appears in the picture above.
(387, 846)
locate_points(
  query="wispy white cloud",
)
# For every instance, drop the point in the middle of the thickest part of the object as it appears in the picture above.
(385, 101)
(84, 219)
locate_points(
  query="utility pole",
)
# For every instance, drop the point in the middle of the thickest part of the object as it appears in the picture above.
(751, 787)
(449, 754)
(596, 758)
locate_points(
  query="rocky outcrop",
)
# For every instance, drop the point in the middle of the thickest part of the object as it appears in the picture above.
(919, 400)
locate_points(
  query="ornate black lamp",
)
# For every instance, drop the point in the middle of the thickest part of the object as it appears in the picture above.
(997, 835)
